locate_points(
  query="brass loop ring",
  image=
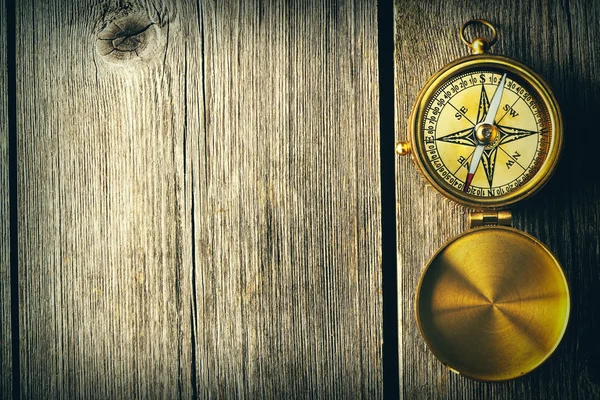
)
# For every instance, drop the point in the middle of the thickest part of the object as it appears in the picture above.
(482, 22)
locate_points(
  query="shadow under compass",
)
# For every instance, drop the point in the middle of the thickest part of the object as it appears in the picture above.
(565, 214)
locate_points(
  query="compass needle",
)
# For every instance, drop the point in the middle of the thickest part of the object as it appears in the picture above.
(485, 132)
(495, 103)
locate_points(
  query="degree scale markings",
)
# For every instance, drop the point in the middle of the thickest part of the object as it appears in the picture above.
(442, 143)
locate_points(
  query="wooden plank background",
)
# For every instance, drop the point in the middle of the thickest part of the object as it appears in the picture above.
(200, 210)
(199, 204)
(5, 300)
(559, 39)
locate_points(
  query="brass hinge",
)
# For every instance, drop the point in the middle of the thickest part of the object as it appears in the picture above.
(490, 218)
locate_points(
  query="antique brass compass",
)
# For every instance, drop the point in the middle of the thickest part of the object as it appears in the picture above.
(486, 131)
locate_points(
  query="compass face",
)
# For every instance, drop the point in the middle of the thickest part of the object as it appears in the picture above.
(521, 141)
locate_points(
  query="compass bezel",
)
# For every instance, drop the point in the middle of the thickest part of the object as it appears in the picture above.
(540, 88)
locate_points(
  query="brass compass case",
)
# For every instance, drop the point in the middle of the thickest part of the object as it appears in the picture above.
(486, 131)
(469, 72)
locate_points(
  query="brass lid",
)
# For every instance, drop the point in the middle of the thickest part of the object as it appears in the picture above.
(493, 303)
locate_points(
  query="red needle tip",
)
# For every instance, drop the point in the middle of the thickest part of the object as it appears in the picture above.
(468, 182)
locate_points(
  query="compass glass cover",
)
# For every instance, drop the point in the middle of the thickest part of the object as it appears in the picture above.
(524, 140)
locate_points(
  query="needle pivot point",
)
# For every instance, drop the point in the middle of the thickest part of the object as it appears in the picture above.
(486, 133)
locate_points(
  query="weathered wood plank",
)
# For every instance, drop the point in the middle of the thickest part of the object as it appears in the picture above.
(558, 40)
(202, 217)
(104, 277)
(5, 300)
(286, 204)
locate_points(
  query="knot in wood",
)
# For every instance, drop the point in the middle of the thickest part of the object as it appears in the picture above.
(133, 37)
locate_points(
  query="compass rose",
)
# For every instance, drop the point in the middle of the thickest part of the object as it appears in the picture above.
(486, 135)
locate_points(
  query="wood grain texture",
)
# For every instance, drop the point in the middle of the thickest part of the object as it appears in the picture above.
(201, 219)
(557, 39)
(104, 264)
(5, 300)
(285, 183)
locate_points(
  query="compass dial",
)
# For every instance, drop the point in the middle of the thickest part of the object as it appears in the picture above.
(477, 158)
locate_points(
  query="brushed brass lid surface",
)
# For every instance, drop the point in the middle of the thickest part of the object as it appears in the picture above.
(493, 303)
